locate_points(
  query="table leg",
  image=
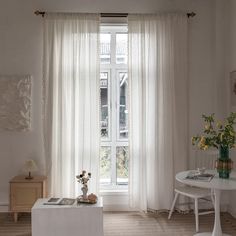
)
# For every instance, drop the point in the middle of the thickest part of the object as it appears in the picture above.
(15, 216)
(217, 231)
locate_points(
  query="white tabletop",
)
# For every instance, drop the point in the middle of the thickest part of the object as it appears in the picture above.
(215, 183)
(39, 204)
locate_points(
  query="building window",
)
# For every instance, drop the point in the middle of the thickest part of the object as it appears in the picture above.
(114, 155)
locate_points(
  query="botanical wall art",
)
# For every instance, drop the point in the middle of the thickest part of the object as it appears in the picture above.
(15, 102)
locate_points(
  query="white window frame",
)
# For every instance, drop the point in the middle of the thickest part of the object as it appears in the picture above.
(108, 104)
(113, 70)
(118, 106)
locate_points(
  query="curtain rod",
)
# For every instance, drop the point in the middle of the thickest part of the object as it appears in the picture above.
(42, 13)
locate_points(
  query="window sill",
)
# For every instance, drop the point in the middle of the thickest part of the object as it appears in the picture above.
(106, 192)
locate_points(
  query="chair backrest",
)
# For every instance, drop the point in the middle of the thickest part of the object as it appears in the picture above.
(205, 159)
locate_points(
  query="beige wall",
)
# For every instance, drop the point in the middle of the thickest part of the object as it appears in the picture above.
(21, 53)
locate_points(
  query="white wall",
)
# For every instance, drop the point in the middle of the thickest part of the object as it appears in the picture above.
(207, 90)
(232, 67)
(21, 53)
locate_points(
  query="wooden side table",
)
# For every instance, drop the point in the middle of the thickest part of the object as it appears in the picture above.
(25, 192)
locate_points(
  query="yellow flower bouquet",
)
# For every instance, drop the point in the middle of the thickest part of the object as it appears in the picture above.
(216, 134)
(220, 135)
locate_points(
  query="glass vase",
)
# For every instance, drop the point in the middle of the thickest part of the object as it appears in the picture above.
(224, 164)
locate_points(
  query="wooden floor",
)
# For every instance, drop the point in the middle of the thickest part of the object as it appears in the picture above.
(132, 224)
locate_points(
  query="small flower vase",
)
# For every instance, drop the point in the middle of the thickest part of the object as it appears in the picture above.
(85, 191)
(224, 164)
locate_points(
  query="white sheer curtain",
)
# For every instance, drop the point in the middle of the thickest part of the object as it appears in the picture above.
(158, 107)
(71, 100)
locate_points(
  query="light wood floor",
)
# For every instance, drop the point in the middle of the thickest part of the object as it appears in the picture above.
(132, 224)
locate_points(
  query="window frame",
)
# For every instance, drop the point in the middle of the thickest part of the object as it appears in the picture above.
(113, 69)
(108, 104)
(118, 105)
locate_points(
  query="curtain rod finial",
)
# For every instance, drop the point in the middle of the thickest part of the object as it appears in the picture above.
(191, 14)
(42, 13)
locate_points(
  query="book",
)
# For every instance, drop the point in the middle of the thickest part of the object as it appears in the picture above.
(202, 177)
(67, 201)
(60, 201)
(53, 200)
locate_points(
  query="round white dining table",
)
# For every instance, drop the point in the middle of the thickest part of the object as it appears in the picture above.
(217, 184)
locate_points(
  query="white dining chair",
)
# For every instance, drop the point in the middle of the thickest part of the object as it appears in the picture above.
(196, 194)
(201, 159)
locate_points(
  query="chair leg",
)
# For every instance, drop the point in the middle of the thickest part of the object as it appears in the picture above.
(213, 198)
(196, 214)
(173, 205)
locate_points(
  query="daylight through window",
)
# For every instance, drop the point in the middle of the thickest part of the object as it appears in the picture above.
(114, 156)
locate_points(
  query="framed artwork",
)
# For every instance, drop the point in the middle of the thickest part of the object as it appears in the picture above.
(15, 102)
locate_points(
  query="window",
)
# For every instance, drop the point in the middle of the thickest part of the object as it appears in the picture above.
(114, 155)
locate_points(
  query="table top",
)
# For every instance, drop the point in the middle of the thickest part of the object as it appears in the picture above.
(215, 183)
(22, 179)
(39, 204)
